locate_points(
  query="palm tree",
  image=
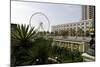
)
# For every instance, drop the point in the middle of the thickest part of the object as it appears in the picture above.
(56, 33)
(73, 32)
(22, 38)
(80, 32)
(64, 33)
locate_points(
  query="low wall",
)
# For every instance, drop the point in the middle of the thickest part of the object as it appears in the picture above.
(73, 45)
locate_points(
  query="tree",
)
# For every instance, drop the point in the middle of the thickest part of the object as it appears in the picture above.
(56, 33)
(52, 33)
(73, 32)
(70, 32)
(80, 32)
(64, 33)
(41, 50)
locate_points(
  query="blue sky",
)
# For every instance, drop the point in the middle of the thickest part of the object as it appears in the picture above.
(57, 13)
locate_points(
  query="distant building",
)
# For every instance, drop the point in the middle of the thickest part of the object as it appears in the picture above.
(84, 25)
(88, 12)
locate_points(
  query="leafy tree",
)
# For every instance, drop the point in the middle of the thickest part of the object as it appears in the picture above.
(80, 32)
(56, 33)
(73, 32)
(41, 50)
(64, 33)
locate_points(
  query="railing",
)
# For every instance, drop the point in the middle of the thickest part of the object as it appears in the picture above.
(72, 45)
(72, 38)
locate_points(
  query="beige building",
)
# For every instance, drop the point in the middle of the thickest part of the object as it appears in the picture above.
(84, 25)
(88, 17)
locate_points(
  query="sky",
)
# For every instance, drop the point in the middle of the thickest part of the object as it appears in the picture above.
(56, 13)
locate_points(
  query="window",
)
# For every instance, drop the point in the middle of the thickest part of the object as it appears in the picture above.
(87, 22)
(87, 27)
(82, 27)
(82, 23)
(74, 24)
(78, 24)
(67, 25)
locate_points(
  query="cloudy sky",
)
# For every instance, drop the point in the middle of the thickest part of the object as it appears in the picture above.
(57, 13)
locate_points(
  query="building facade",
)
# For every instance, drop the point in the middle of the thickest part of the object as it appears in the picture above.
(84, 25)
(88, 12)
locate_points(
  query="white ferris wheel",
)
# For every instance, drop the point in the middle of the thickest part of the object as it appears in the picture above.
(40, 21)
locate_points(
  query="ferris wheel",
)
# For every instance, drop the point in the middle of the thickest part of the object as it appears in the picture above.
(39, 21)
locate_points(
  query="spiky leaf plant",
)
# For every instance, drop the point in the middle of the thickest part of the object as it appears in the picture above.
(22, 38)
(22, 35)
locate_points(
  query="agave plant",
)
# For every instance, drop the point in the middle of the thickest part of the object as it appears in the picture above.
(23, 35)
(22, 38)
